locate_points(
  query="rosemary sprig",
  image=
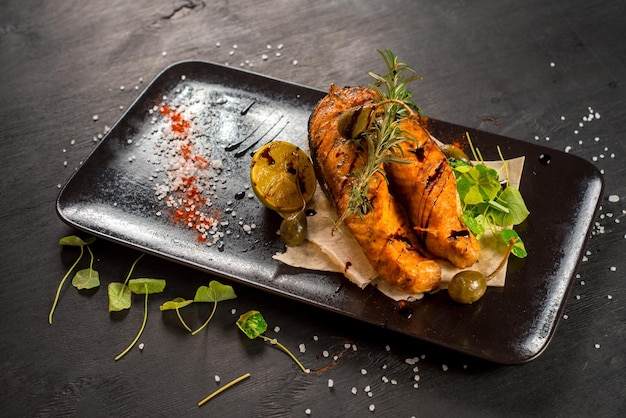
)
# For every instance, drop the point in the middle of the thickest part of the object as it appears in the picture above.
(381, 141)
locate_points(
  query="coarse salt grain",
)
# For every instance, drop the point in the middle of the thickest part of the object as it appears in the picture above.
(217, 379)
(354, 390)
(141, 346)
(372, 407)
(331, 383)
(307, 411)
(363, 372)
(613, 198)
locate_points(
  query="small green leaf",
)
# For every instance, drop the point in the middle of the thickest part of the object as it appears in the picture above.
(175, 304)
(120, 297)
(74, 241)
(510, 198)
(86, 279)
(144, 285)
(252, 324)
(216, 292)
(518, 250)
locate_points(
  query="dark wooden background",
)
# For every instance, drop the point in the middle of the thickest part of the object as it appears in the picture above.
(530, 70)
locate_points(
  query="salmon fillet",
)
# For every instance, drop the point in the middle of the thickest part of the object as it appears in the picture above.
(384, 233)
(426, 187)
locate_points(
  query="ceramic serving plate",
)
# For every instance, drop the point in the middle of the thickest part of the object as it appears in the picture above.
(120, 193)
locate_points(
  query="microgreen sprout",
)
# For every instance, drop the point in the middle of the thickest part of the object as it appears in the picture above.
(84, 279)
(253, 325)
(223, 388)
(145, 287)
(487, 202)
(215, 292)
(119, 293)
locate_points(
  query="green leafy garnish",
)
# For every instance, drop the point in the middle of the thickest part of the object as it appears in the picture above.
(253, 325)
(119, 293)
(84, 279)
(145, 287)
(487, 202)
(382, 140)
(215, 292)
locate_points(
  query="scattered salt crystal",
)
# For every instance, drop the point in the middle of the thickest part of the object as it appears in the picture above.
(264, 57)
(385, 379)
(565, 316)
(363, 372)
(416, 377)
(295, 62)
(372, 407)
(72, 142)
(164, 53)
(367, 388)
(307, 411)
(597, 346)
(331, 383)
(609, 297)
(353, 390)
(613, 268)
(122, 87)
(217, 379)
(552, 64)
(387, 348)
(325, 353)
(346, 346)
(613, 198)
(302, 348)
(233, 311)
(95, 117)
(141, 346)
(218, 44)
(276, 329)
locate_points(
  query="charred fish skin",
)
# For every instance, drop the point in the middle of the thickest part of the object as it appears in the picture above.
(384, 232)
(427, 187)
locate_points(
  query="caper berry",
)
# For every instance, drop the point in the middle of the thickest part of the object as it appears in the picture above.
(467, 286)
(355, 121)
(293, 228)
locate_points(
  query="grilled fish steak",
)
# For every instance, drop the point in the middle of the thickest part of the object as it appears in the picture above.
(426, 187)
(384, 232)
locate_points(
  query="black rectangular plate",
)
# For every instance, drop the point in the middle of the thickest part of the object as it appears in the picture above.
(112, 196)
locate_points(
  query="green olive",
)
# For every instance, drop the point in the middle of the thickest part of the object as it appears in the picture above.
(355, 121)
(452, 151)
(467, 286)
(293, 228)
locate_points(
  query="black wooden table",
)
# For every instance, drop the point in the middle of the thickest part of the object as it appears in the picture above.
(552, 73)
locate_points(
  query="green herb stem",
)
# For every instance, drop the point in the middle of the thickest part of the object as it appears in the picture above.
(182, 321)
(207, 321)
(222, 389)
(143, 325)
(56, 297)
(274, 341)
(130, 272)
